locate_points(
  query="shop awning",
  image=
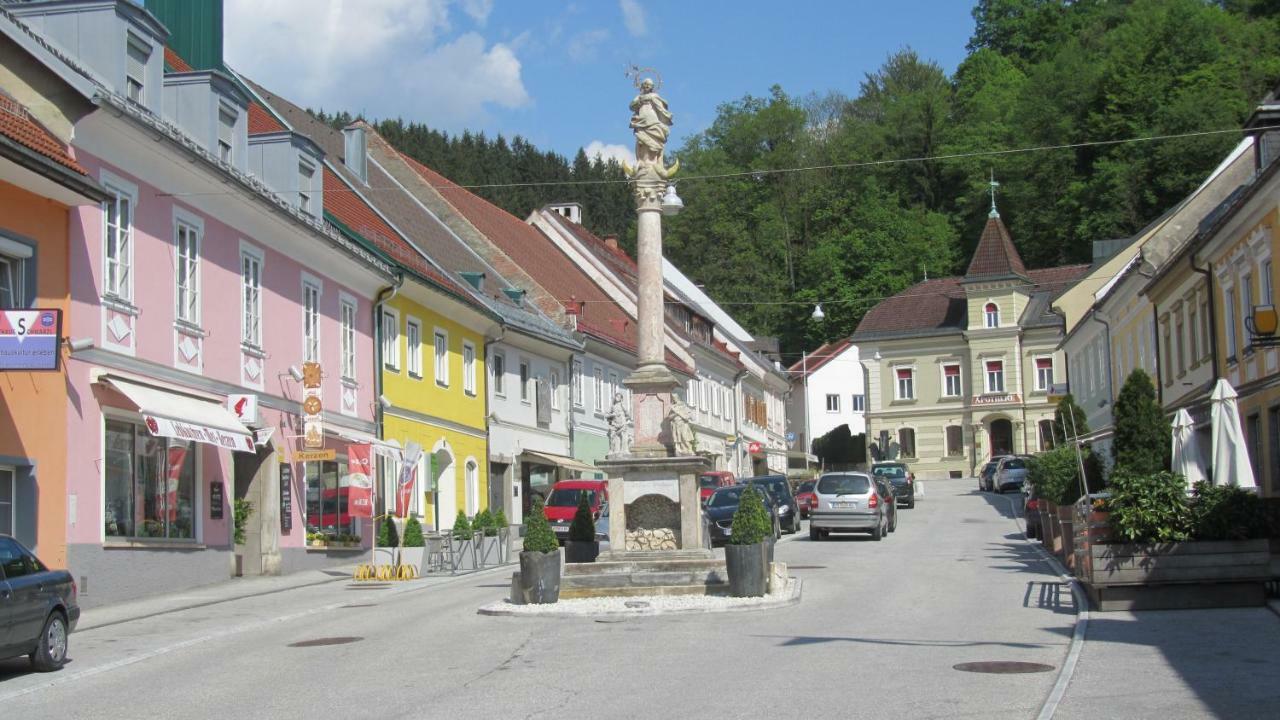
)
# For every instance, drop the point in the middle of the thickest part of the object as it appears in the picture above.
(172, 414)
(562, 461)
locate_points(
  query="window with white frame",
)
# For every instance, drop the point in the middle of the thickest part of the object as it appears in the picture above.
(524, 381)
(468, 368)
(995, 376)
(1230, 329)
(555, 389)
(226, 133)
(1264, 283)
(306, 176)
(1246, 304)
(951, 380)
(992, 314)
(1193, 342)
(187, 275)
(1044, 373)
(310, 321)
(251, 298)
(390, 340)
(706, 395)
(15, 259)
(137, 54)
(906, 386)
(498, 371)
(471, 479)
(691, 394)
(347, 311)
(597, 388)
(413, 347)
(715, 399)
(858, 402)
(442, 358)
(576, 386)
(833, 403)
(118, 249)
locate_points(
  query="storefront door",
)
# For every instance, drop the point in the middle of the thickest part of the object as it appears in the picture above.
(1001, 437)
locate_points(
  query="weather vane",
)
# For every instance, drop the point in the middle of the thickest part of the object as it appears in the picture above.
(638, 75)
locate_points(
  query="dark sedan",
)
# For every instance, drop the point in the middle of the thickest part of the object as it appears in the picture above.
(780, 489)
(38, 607)
(721, 506)
(901, 480)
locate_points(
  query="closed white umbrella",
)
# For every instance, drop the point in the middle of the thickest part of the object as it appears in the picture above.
(1186, 451)
(1230, 455)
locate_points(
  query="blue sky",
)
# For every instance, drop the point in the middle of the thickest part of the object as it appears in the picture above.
(553, 71)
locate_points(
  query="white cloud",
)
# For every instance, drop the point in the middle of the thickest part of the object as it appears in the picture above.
(385, 58)
(583, 46)
(613, 151)
(633, 16)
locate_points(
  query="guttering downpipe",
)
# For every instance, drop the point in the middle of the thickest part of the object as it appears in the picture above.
(1155, 341)
(382, 299)
(1096, 316)
(1213, 315)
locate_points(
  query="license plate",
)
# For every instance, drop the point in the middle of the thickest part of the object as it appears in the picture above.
(844, 505)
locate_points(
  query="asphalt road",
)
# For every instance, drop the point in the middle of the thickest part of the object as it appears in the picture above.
(877, 634)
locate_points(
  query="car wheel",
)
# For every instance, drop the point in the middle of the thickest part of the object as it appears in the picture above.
(795, 524)
(814, 534)
(911, 503)
(51, 647)
(878, 532)
(894, 525)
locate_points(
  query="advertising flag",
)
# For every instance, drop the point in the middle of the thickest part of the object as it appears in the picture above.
(360, 480)
(408, 476)
(177, 457)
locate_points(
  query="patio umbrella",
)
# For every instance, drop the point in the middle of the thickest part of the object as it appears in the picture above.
(1230, 455)
(1186, 451)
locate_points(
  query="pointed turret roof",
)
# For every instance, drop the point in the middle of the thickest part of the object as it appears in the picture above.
(995, 255)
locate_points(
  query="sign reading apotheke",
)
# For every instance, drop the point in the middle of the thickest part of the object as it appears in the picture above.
(29, 339)
(164, 427)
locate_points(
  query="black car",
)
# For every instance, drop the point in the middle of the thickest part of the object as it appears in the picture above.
(721, 506)
(38, 606)
(901, 480)
(780, 489)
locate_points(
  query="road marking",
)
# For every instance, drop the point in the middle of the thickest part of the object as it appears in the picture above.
(1051, 703)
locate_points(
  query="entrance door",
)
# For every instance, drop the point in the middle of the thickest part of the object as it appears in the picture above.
(1001, 437)
(250, 484)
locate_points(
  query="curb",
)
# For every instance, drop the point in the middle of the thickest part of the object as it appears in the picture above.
(791, 598)
(1068, 669)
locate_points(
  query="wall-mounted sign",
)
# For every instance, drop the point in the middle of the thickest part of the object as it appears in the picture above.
(215, 500)
(312, 408)
(754, 448)
(29, 339)
(167, 427)
(244, 407)
(994, 399)
(286, 497)
(314, 455)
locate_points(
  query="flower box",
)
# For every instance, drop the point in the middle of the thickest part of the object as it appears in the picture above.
(1192, 574)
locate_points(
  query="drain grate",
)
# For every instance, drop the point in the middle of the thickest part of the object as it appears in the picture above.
(1003, 667)
(320, 642)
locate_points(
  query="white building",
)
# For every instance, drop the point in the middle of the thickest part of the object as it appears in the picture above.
(828, 389)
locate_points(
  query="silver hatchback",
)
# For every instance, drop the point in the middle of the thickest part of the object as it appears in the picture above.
(848, 502)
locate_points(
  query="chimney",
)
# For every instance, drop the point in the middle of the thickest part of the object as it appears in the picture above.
(1264, 126)
(354, 150)
(195, 30)
(569, 211)
(611, 241)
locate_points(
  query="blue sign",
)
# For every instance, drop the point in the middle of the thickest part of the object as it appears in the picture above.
(30, 339)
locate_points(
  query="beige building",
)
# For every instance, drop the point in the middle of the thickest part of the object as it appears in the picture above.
(960, 368)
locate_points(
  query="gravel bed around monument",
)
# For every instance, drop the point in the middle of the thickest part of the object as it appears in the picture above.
(787, 595)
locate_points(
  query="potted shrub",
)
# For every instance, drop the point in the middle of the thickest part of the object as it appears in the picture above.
(386, 542)
(464, 543)
(540, 560)
(582, 546)
(241, 509)
(504, 535)
(745, 555)
(486, 537)
(413, 544)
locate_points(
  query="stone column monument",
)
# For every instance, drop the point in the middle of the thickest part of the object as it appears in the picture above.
(654, 496)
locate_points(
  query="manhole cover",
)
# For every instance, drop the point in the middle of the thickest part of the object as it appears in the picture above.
(1003, 667)
(359, 605)
(807, 567)
(319, 642)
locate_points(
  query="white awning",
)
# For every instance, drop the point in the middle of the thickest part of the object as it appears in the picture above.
(563, 461)
(171, 414)
(388, 448)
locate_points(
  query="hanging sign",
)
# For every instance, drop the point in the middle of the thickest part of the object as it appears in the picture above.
(313, 456)
(359, 480)
(29, 339)
(286, 497)
(244, 407)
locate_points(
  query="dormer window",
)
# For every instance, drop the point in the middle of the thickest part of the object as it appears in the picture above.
(992, 314)
(136, 68)
(306, 172)
(226, 132)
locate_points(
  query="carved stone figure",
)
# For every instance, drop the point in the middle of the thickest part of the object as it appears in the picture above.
(619, 426)
(681, 431)
(651, 121)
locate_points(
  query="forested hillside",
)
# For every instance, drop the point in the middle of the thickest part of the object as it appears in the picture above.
(1039, 74)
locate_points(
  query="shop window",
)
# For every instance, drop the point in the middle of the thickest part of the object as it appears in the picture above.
(150, 484)
(327, 510)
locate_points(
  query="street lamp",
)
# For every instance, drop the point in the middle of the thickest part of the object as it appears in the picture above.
(1262, 326)
(817, 312)
(671, 202)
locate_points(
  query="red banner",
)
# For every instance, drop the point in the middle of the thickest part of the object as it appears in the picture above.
(360, 480)
(169, 502)
(404, 490)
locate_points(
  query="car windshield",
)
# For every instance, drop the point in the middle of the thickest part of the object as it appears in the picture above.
(890, 471)
(806, 486)
(777, 488)
(708, 481)
(844, 484)
(1015, 464)
(725, 497)
(568, 497)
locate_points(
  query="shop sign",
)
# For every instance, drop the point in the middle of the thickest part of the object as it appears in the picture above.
(286, 497)
(359, 480)
(994, 399)
(29, 339)
(754, 448)
(164, 427)
(313, 456)
(244, 407)
(312, 408)
(215, 500)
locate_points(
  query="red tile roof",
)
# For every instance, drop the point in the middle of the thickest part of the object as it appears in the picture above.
(175, 61)
(261, 121)
(823, 355)
(995, 254)
(17, 125)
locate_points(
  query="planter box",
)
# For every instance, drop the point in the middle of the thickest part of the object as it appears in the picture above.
(488, 550)
(1194, 574)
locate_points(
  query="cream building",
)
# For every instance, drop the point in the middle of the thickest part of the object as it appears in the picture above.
(960, 368)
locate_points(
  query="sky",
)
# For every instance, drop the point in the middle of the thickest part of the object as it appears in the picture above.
(554, 71)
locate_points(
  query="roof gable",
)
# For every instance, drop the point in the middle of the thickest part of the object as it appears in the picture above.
(995, 254)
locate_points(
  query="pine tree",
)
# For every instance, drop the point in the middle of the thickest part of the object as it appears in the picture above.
(537, 531)
(1069, 420)
(583, 527)
(413, 533)
(387, 535)
(1142, 438)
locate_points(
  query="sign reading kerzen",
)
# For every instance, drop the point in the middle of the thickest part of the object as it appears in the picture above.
(29, 339)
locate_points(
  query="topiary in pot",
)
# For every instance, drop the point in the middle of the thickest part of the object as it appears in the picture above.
(413, 533)
(387, 535)
(539, 561)
(582, 546)
(745, 555)
(462, 529)
(484, 523)
(500, 520)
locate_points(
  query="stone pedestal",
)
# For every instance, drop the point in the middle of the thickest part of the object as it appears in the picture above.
(651, 391)
(654, 506)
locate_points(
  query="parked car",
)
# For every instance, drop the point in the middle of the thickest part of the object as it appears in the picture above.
(806, 500)
(901, 478)
(39, 607)
(1010, 474)
(849, 502)
(988, 473)
(788, 508)
(709, 481)
(891, 500)
(562, 504)
(1031, 511)
(721, 506)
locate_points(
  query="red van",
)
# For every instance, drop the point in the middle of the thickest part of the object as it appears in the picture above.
(562, 503)
(709, 481)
